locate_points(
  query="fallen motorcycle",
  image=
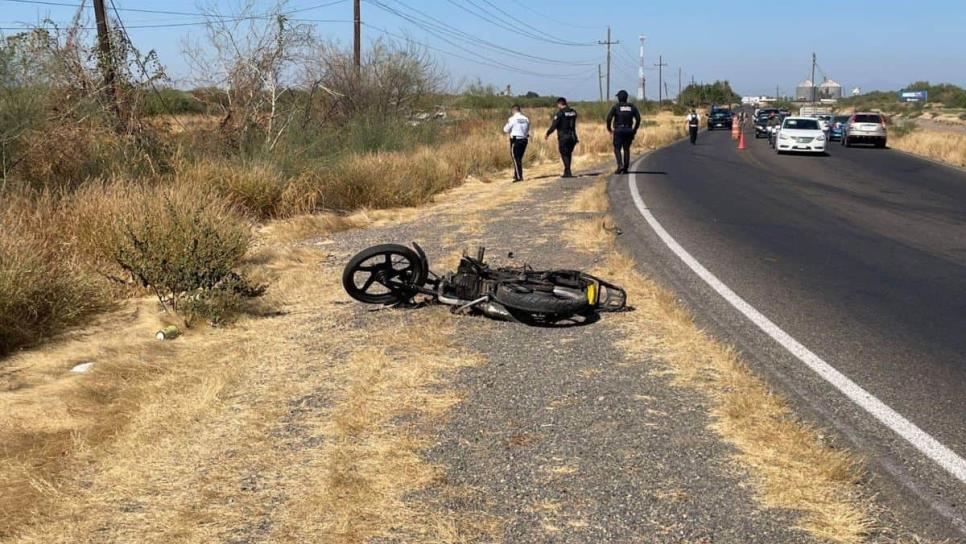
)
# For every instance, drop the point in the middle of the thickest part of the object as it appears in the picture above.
(392, 274)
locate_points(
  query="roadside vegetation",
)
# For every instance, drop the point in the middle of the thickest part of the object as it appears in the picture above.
(152, 190)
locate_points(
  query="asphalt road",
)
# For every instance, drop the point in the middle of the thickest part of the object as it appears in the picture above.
(860, 256)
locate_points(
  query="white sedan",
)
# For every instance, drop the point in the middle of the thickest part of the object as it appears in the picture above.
(803, 134)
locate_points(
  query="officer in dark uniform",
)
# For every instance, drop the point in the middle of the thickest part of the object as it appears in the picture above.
(565, 124)
(623, 120)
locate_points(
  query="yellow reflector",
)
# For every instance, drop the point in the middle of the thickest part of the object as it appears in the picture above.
(592, 293)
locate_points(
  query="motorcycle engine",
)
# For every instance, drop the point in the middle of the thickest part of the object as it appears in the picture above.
(465, 284)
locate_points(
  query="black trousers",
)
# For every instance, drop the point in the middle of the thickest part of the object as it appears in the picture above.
(694, 134)
(566, 144)
(518, 146)
(622, 148)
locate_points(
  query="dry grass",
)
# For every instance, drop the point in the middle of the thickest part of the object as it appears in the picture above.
(793, 464)
(943, 146)
(300, 428)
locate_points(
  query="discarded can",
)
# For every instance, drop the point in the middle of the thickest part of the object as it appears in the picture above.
(168, 333)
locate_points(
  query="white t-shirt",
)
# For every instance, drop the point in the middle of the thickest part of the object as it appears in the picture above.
(517, 126)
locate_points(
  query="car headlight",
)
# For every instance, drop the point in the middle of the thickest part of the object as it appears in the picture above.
(821, 138)
(782, 136)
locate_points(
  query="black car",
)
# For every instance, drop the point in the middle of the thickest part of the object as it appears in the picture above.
(761, 125)
(720, 119)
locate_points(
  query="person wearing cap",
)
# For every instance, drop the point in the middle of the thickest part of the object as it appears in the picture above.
(565, 125)
(693, 121)
(518, 127)
(623, 120)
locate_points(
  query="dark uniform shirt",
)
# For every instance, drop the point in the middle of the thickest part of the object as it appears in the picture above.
(623, 117)
(565, 123)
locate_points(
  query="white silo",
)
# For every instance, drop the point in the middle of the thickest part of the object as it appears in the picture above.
(830, 89)
(805, 91)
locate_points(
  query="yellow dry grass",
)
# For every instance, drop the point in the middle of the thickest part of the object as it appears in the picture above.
(942, 146)
(793, 465)
(306, 423)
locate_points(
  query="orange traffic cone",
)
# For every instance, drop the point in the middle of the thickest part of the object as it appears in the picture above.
(741, 140)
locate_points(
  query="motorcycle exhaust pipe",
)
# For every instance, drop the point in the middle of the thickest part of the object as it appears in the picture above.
(496, 311)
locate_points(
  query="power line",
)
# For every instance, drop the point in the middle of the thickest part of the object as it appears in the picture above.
(436, 27)
(176, 25)
(488, 62)
(549, 18)
(539, 33)
(179, 13)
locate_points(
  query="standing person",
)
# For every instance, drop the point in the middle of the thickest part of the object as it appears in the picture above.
(518, 127)
(623, 120)
(773, 124)
(693, 121)
(565, 124)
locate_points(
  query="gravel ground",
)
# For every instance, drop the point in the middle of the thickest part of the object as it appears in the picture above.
(561, 437)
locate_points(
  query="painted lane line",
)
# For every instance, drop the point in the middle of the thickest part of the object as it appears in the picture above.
(919, 439)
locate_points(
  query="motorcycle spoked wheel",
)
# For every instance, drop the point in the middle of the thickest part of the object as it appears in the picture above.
(383, 274)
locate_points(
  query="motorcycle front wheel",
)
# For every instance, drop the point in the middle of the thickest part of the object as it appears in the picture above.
(384, 274)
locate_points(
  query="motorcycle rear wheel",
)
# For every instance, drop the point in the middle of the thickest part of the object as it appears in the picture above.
(539, 299)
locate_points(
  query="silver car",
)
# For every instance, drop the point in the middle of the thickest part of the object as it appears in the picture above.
(865, 128)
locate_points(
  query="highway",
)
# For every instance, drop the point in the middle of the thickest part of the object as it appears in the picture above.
(856, 259)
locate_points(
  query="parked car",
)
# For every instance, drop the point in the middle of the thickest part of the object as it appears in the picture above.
(865, 128)
(837, 128)
(802, 134)
(720, 118)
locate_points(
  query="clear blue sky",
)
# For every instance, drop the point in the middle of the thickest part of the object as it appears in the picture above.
(873, 44)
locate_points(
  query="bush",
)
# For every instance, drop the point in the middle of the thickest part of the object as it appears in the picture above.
(184, 245)
(254, 187)
(42, 287)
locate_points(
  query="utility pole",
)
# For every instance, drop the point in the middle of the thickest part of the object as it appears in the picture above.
(356, 34)
(600, 83)
(679, 83)
(660, 80)
(106, 56)
(641, 95)
(813, 78)
(608, 43)
(777, 96)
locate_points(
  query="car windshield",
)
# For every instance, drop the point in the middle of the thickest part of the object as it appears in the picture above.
(841, 118)
(867, 119)
(801, 124)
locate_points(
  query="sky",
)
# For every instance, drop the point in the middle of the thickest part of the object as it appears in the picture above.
(550, 47)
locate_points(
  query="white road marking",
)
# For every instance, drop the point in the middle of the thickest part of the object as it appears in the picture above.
(919, 439)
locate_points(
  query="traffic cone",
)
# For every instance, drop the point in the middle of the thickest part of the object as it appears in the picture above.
(734, 131)
(741, 140)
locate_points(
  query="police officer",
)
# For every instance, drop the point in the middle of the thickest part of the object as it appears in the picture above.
(693, 122)
(623, 120)
(565, 124)
(774, 123)
(518, 127)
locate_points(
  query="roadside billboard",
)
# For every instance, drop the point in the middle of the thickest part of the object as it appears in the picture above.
(913, 96)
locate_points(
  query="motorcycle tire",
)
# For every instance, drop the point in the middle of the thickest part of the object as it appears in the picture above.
(520, 297)
(400, 271)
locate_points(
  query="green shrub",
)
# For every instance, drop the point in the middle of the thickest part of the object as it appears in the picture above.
(185, 245)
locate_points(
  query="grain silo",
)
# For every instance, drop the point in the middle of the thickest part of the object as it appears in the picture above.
(830, 89)
(805, 91)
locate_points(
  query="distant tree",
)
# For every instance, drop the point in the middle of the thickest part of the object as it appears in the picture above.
(698, 94)
(531, 94)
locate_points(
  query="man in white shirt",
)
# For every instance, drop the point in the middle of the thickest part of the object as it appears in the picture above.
(693, 121)
(518, 127)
